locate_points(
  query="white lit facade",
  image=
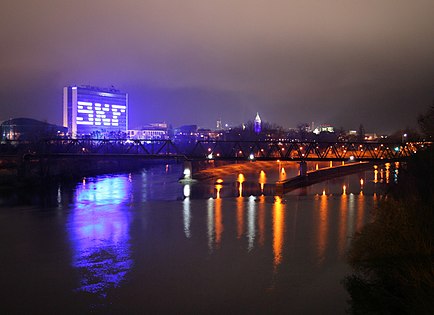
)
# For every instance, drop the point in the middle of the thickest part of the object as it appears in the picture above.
(90, 111)
(323, 128)
(152, 131)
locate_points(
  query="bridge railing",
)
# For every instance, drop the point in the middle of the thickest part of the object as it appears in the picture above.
(111, 146)
(224, 150)
(272, 150)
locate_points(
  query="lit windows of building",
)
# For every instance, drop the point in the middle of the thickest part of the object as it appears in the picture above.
(152, 131)
(323, 128)
(88, 110)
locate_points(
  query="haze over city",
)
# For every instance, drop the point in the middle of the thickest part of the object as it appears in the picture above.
(337, 62)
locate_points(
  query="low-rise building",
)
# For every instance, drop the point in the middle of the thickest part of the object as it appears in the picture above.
(154, 131)
(28, 129)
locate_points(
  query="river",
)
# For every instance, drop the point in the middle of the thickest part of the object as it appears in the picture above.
(143, 243)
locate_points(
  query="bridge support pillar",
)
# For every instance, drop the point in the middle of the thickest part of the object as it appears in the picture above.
(303, 168)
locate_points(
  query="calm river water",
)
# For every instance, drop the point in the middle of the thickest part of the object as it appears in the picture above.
(143, 243)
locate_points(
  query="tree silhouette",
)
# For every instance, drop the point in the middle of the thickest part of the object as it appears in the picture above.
(426, 122)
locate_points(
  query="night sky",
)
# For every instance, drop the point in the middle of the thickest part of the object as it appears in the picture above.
(193, 61)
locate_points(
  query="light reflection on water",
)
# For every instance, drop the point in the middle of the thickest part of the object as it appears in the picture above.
(137, 240)
(210, 223)
(99, 223)
(322, 222)
(99, 233)
(218, 219)
(251, 222)
(186, 216)
(278, 231)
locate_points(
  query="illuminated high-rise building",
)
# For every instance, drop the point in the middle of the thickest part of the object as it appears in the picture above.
(257, 122)
(89, 110)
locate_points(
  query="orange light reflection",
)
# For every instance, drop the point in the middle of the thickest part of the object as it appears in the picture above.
(241, 179)
(262, 180)
(278, 230)
(218, 222)
(322, 227)
(342, 241)
(360, 212)
(240, 217)
(218, 187)
(261, 220)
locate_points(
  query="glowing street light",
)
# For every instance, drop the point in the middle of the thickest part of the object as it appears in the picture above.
(187, 173)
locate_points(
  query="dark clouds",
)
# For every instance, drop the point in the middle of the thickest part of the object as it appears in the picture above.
(337, 62)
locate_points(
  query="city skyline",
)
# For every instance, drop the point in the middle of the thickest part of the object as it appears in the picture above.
(343, 64)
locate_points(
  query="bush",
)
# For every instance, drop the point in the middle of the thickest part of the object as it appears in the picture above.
(393, 256)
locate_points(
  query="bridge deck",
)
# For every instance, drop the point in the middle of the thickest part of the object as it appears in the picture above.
(214, 150)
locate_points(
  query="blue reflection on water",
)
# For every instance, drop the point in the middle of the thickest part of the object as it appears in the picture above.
(99, 233)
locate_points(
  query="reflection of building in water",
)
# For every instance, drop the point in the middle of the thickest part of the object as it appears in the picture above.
(99, 234)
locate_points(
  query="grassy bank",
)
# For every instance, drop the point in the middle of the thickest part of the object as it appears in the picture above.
(393, 256)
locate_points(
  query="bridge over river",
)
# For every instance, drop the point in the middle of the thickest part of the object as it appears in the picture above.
(214, 150)
(67, 158)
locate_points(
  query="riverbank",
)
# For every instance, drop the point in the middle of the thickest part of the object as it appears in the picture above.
(393, 256)
(34, 171)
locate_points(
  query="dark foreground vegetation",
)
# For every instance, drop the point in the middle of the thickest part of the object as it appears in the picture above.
(393, 256)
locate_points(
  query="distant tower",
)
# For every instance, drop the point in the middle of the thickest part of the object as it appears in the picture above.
(219, 124)
(257, 123)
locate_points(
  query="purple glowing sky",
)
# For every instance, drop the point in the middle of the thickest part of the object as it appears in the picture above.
(194, 61)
